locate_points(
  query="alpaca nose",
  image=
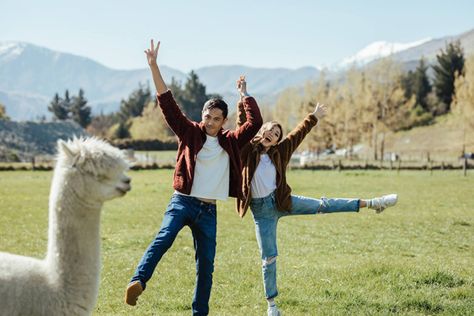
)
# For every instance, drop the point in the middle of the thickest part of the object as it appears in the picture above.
(127, 180)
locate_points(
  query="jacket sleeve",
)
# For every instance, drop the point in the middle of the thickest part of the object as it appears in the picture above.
(241, 117)
(173, 115)
(247, 127)
(296, 137)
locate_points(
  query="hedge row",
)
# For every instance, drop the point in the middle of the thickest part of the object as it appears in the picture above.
(147, 145)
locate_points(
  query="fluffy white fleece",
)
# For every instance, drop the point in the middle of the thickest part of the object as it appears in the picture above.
(88, 172)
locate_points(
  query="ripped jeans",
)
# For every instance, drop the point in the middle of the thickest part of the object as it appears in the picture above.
(266, 216)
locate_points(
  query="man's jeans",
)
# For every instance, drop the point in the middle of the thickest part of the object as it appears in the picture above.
(266, 216)
(202, 219)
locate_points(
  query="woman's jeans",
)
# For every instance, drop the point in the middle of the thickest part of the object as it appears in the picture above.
(266, 216)
(202, 219)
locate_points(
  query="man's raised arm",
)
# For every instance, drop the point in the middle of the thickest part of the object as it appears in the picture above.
(175, 118)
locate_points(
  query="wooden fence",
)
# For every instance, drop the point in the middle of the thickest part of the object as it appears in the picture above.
(338, 165)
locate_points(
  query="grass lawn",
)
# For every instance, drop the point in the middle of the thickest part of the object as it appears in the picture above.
(160, 157)
(414, 259)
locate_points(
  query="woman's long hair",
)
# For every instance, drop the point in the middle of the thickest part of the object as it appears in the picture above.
(266, 127)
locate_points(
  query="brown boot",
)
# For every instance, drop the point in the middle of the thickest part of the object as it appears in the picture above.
(134, 289)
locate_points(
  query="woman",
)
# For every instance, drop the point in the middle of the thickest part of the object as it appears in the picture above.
(269, 196)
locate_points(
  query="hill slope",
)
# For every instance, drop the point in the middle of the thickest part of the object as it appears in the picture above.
(443, 140)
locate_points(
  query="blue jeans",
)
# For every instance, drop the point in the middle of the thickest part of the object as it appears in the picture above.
(202, 219)
(266, 216)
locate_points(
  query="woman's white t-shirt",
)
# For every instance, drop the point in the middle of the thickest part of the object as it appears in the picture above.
(264, 180)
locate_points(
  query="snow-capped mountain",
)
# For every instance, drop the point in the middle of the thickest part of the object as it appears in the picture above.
(11, 50)
(30, 74)
(378, 50)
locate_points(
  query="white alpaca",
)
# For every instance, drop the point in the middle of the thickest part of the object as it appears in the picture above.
(87, 173)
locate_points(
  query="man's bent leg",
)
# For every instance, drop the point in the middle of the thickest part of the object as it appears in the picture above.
(173, 221)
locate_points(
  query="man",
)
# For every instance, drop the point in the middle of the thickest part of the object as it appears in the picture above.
(208, 168)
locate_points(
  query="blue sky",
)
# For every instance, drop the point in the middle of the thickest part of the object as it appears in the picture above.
(194, 34)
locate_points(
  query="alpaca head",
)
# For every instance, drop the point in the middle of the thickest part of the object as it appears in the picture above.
(94, 169)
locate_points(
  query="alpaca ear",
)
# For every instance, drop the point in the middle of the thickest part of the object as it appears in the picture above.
(62, 146)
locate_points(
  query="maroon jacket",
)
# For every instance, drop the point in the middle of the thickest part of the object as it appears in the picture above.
(192, 135)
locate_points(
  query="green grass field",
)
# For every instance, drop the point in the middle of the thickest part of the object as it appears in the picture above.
(414, 259)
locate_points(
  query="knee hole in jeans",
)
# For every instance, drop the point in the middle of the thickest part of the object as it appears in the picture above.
(268, 261)
(323, 205)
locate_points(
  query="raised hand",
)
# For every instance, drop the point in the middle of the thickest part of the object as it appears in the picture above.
(242, 86)
(320, 111)
(152, 53)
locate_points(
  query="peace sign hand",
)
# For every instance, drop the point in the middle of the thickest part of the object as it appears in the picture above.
(152, 53)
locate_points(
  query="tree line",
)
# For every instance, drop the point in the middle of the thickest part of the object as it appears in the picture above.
(139, 117)
(380, 98)
(365, 104)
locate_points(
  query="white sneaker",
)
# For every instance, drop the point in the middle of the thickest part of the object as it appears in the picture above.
(381, 203)
(273, 311)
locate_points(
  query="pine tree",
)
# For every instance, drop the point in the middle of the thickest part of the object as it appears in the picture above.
(66, 104)
(177, 90)
(450, 62)
(421, 85)
(56, 107)
(122, 131)
(406, 82)
(194, 97)
(134, 105)
(80, 111)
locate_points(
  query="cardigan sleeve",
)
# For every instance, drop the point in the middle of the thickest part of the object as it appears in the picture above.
(174, 117)
(252, 123)
(296, 137)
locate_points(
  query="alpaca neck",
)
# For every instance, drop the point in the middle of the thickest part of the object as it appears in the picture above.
(74, 241)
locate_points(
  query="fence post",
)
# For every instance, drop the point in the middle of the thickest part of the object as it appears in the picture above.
(399, 165)
(464, 166)
(339, 165)
(33, 167)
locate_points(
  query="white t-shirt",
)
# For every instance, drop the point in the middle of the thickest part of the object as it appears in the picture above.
(211, 173)
(264, 179)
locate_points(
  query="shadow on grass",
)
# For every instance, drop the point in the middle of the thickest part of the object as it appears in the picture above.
(440, 279)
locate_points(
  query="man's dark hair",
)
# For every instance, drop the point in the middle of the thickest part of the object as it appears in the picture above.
(216, 103)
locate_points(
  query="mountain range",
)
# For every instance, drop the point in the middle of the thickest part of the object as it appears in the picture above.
(30, 75)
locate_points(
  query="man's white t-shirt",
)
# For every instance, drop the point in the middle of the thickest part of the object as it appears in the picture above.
(211, 173)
